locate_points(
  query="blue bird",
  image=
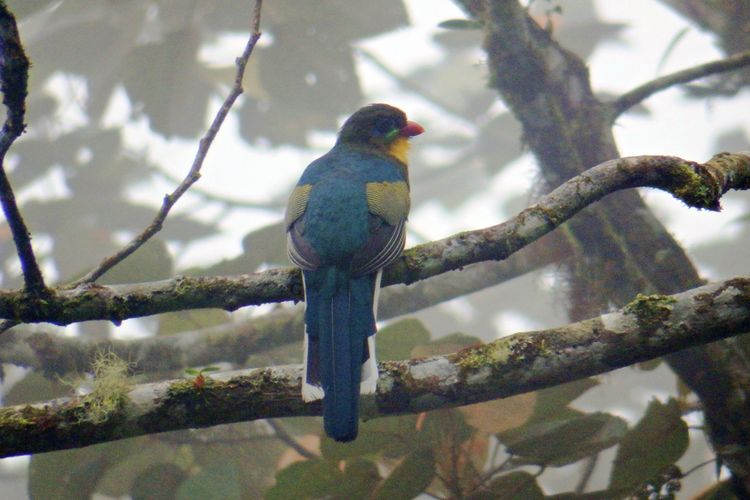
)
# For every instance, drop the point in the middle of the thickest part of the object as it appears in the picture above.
(345, 223)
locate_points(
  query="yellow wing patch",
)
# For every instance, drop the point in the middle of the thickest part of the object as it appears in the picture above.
(297, 203)
(389, 200)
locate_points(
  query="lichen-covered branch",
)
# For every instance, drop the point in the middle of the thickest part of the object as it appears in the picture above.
(698, 185)
(568, 128)
(56, 355)
(649, 327)
(194, 173)
(14, 75)
(643, 92)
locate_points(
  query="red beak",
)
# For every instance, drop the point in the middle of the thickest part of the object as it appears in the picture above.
(411, 129)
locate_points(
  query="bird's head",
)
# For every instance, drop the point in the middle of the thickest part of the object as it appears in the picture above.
(382, 127)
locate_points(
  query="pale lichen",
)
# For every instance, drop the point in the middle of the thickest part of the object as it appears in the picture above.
(110, 387)
(650, 311)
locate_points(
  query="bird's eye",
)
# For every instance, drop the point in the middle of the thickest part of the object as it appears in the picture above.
(384, 126)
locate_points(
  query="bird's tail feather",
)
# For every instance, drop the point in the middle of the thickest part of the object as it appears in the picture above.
(370, 373)
(345, 321)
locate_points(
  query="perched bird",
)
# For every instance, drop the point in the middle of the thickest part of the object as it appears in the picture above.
(345, 223)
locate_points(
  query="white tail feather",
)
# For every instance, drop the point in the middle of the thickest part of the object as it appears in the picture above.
(369, 382)
(310, 392)
(370, 373)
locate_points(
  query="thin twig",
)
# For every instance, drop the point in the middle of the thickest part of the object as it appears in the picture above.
(696, 467)
(501, 467)
(14, 74)
(194, 173)
(588, 469)
(409, 84)
(642, 92)
(289, 440)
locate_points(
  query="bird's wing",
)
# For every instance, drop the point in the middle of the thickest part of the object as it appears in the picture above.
(300, 252)
(388, 205)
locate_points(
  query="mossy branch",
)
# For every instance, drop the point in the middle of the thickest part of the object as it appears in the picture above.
(56, 355)
(649, 327)
(698, 185)
(643, 92)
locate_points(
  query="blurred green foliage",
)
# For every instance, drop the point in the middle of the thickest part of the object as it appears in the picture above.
(302, 78)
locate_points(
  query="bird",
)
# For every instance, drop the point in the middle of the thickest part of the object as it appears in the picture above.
(345, 221)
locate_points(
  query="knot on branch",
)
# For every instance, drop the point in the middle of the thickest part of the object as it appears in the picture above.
(702, 185)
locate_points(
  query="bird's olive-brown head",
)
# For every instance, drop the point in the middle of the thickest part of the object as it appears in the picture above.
(382, 127)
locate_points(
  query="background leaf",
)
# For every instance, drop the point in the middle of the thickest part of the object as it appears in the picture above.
(658, 440)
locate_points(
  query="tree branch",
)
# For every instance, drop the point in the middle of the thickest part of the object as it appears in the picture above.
(648, 327)
(643, 92)
(549, 90)
(57, 355)
(698, 185)
(194, 173)
(14, 74)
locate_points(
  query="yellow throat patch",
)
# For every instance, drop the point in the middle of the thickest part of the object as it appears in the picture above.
(399, 149)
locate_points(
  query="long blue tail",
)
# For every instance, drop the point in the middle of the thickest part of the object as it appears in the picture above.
(341, 309)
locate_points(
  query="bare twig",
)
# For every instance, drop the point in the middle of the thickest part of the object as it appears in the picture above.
(14, 74)
(639, 94)
(409, 84)
(696, 467)
(194, 173)
(588, 470)
(289, 440)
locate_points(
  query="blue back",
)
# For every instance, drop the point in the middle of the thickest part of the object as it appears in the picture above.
(337, 211)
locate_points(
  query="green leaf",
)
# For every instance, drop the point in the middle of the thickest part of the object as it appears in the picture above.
(460, 24)
(36, 387)
(166, 80)
(361, 477)
(309, 479)
(73, 474)
(563, 441)
(657, 441)
(218, 482)
(552, 403)
(65, 474)
(441, 423)
(196, 319)
(516, 485)
(410, 478)
(150, 262)
(158, 482)
(391, 436)
(396, 340)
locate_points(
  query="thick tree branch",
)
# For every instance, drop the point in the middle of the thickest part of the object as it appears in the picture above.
(698, 185)
(57, 355)
(14, 74)
(549, 90)
(194, 172)
(643, 92)
(648, 327)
